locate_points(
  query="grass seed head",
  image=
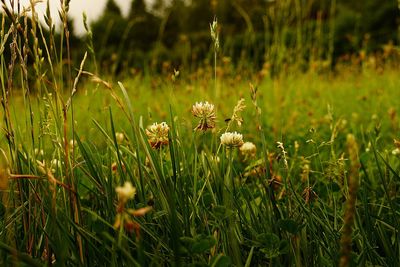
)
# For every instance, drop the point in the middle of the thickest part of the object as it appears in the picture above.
(214, 34)
(240, 106)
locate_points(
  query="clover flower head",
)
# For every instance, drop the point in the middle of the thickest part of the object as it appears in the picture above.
(125, 192)
(231, 140)
(206, 112)
(157, 134)
(248, 149)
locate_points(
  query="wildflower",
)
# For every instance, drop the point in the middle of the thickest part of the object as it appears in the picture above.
(396, 151)
(231, 139)
(175, 75)
(248, 149)
(124, 217)
(158, 134)
(120, 137)
(125, 192)
(205, 111)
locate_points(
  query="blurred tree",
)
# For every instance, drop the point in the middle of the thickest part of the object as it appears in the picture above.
(158, 8)
(108, 32)
(176, 20)
(112, 8)
(143, 27)
(248, 29)
(138, 8)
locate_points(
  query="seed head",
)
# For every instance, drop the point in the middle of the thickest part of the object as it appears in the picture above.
(284, 153)
(240, 106)
(231, 140)
(214, 34)
(157, 134)
(125, 192)
(206, 112)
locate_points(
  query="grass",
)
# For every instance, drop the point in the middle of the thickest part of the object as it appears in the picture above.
(325, 195)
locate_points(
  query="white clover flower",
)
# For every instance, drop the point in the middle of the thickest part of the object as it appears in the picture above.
(206, 112)
(125, 192)
(157, 134)
(248, 149)
(120, 137)
(396, 151)
(231, 139)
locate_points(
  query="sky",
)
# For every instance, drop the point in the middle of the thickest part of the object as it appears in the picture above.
(92, 8)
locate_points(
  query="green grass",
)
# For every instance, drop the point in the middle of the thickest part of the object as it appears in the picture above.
(197, 216)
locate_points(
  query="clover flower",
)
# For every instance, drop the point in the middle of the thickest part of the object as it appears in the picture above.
(125, 192)
(206, 112)
(231, 140)
(157, 134)
(125, 216)
(248, 150)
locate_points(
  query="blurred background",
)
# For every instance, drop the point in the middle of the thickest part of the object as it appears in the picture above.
(262, 35)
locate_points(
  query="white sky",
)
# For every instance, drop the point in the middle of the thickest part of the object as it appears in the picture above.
(92, 8)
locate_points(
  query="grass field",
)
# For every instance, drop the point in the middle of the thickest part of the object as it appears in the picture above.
(198, 169)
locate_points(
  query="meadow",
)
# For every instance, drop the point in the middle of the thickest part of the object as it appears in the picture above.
(208, 167)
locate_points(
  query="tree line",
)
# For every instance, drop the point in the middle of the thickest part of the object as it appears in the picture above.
(253, 33)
